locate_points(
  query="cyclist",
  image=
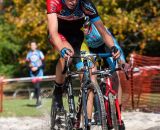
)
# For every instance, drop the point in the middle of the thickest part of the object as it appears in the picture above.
(65, 20)
(35, 59)
(96, 45)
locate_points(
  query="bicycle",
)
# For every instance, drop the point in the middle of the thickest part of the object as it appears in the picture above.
(110, 97)
(72, 115)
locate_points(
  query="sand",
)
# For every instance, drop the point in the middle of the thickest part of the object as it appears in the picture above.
(133, 121)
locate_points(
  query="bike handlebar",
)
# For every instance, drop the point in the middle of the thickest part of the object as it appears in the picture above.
(126, 73)
(108, 72)
(85, 55)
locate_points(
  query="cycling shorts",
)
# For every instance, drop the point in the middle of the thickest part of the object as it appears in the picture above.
(75, 40)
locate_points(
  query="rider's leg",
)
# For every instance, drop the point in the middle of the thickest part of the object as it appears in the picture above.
(91, 96)
(94, 77)
(117, 87)
(90, 104)
(90, 100)
(59, 81)
(119, 92)
(58, 86)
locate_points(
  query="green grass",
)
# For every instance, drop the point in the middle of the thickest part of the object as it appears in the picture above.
(24, 107)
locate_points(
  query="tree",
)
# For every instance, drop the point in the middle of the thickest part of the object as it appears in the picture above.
(135, 23)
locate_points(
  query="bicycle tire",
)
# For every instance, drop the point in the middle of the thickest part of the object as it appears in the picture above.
(62, 122)
(101, 105)
(113, 111)
(69, 123)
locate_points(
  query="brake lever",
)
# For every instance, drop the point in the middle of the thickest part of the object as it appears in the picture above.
(126, 73)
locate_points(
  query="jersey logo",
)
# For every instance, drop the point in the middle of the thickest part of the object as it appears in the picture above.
(34, 58)
(93, 36)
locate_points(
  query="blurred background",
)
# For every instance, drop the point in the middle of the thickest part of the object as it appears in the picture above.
(134, 23)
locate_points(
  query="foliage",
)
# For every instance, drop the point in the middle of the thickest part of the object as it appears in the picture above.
(135, 23)
(24, 107)
(21, 22)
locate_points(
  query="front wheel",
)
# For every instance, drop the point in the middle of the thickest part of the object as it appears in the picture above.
(58, 118)
(99, 114)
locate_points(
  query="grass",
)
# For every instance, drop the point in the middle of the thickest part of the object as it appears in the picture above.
(24, 107)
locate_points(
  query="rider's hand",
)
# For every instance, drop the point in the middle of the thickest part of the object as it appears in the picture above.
(125, 66)
(30, 65)
(66, 53)
(115, 52)
(34, 69)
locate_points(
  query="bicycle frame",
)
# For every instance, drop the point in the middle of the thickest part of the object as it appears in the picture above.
(83, 93)
(109, 90)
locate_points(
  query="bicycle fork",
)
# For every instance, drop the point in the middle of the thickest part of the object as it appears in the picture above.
(118, 111)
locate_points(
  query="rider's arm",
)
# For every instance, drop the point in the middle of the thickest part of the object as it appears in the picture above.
(53, 30)
(107, 38)
(90, 11)
(122, 57)
(53, 7)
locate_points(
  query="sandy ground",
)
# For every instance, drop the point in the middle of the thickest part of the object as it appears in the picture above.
(133, 121)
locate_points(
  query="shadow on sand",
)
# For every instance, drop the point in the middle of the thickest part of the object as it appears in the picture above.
(154, 128)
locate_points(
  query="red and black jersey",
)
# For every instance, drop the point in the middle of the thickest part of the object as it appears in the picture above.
(72, 19)
(84, 7)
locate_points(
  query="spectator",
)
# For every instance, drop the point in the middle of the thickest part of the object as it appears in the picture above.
(35, 59)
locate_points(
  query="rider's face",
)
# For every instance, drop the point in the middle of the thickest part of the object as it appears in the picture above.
(71, 4)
